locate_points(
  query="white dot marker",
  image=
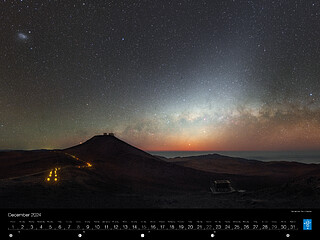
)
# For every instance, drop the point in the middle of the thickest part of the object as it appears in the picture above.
(79, 235)
(212, 235)
(10, 235)
(287, 235)
(142, 235)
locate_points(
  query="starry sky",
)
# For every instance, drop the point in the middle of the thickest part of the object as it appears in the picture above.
(162, 75)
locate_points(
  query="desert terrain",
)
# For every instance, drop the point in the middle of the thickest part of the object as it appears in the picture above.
(105, 172)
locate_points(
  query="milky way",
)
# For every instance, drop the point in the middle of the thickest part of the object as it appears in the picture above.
(162, 75)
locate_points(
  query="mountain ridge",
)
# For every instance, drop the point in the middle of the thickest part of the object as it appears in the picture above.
(133, 167)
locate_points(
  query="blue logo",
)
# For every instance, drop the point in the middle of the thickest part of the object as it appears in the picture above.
(307, 224)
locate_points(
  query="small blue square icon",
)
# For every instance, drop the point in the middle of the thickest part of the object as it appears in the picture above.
(307, 224)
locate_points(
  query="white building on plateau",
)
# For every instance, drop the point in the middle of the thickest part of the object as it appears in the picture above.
(110, 134)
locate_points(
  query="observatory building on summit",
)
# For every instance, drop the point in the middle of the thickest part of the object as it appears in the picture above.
(108, 134)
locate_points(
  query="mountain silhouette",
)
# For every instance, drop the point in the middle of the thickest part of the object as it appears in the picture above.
(128, 166)
(101, 147)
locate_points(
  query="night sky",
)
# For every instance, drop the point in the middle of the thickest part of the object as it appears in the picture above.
(161, 75)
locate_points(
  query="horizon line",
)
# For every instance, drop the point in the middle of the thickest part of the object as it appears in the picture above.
(301, 150)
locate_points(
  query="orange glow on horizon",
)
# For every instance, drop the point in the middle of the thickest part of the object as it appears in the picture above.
(294, 141)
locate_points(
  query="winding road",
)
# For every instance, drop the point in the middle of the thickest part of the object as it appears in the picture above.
(54, 175)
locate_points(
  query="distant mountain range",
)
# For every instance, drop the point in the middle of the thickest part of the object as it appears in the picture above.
(239, 166)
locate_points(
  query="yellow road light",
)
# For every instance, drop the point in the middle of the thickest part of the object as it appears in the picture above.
(55, 179)
(48, 179)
